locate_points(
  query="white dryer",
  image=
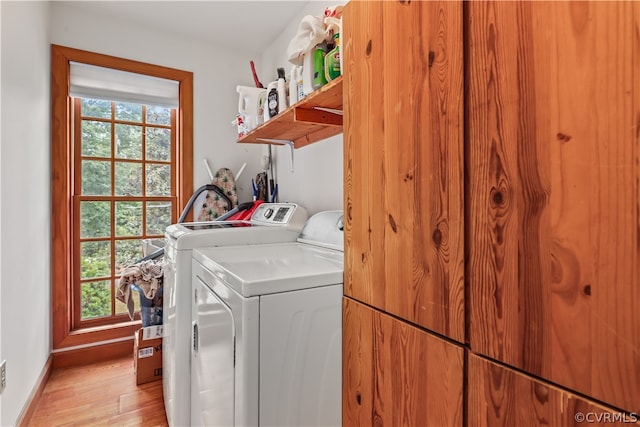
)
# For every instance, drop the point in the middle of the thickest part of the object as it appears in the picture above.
(267, 331)
(271, 222)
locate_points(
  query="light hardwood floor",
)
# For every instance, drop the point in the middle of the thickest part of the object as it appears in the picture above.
(101, 394)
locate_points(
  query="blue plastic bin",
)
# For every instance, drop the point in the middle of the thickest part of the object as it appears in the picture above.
(150, 309)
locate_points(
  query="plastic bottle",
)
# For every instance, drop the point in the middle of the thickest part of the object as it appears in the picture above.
(319, 79)
(300, 83)
(293, 85)
(272, 101)
(282, 95)
(332, 60)
(307, 73)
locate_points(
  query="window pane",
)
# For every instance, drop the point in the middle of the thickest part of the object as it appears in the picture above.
(128, 179)
(128, 142)
(96, 139)
(95, 299)
(159, 115)
(122, 309)
(96, 178)
(95, 219)
(129, 112)
(158, 180)
(128, 252)
(95, 259)
(128, 218)
(158, 217)
(159, 144)
(96, 108)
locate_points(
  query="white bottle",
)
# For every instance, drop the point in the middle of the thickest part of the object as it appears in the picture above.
(300, 82)
(293, 85)
(282, 95)
(307, 73)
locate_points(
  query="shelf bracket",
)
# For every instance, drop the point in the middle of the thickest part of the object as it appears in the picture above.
(318, 115)
(280, 142)
(329, 110)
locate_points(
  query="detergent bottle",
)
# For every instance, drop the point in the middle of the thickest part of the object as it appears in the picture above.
(332, 60)
(251, 103)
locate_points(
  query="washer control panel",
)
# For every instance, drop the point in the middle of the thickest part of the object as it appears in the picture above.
(279, 214)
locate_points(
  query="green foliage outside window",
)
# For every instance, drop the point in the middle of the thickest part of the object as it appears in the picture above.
(96, 216)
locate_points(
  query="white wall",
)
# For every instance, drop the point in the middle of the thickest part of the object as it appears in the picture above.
(217, 71)
(25, 339)
(316, 181)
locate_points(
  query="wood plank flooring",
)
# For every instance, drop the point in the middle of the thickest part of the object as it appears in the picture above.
(104, 393)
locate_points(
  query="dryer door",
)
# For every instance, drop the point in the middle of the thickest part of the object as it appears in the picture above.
(212, 359)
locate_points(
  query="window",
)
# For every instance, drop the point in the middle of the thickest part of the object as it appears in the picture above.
(124, 193)
(128, 174)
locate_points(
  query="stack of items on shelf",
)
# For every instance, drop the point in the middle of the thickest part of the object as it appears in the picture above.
(315, 55)
(315, 52)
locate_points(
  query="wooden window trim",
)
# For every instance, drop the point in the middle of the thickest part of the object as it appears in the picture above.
(63, 334)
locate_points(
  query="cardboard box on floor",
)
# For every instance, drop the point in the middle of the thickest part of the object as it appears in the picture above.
(147, 354)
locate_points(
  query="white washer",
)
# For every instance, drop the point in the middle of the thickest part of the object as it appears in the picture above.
(267, 331)
(271, 222)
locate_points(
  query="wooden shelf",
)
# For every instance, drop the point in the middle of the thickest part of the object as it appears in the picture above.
(306, 121)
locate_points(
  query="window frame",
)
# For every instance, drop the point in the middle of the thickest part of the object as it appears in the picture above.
(62, 296)
(113, 199)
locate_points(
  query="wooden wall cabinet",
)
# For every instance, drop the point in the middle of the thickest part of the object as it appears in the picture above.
(395, 374)
(492, 202)
(504, 397)
(553, 100)
(403, 160)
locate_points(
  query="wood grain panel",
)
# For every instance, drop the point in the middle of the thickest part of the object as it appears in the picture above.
(553, 104)
(499, 396)
(397, 375)
(404, 160)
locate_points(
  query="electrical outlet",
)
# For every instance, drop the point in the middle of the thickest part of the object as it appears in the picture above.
(3, 375)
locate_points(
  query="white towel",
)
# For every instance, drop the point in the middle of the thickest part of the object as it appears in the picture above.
(310, 33)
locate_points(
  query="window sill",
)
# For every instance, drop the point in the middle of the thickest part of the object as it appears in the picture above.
(99, 334)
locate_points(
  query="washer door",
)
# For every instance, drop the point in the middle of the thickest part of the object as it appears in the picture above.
(212, 359)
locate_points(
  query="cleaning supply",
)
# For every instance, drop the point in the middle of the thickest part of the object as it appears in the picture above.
(299, 82)
(307, 73)
(276, 96)
(271, 109)
(251, 101)
(282, 91)
(293, 85)
(319, 53)
(332, 60)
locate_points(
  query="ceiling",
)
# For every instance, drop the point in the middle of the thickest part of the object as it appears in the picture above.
(248, 26)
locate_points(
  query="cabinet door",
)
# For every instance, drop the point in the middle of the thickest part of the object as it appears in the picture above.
(396, 374)
(403, 160)
(553, 104)
(499, 396)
